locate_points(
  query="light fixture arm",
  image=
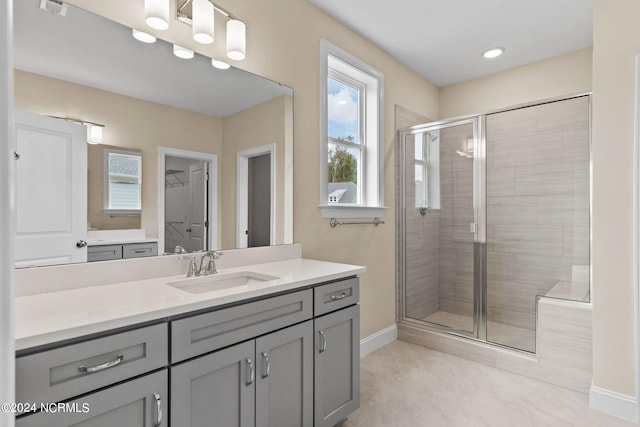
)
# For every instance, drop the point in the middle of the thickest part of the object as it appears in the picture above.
(183, 17)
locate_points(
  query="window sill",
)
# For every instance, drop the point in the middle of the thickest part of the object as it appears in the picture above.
(121, 212)
(351, 211)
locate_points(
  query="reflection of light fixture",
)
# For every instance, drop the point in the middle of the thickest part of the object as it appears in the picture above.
(182, 52)
(95, 133)
(56, 7)
(220, 64)
(143, 37)
(156, 14)
(202, 19)
(94, 130)
(493, 53)
(467, 148)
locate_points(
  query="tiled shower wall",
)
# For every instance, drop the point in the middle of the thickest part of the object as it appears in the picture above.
(537, 215)
(537, 205)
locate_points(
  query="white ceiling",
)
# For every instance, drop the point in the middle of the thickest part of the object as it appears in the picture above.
(90, 50)
(443, 40)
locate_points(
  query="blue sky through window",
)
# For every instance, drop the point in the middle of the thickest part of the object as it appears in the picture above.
(342, 105)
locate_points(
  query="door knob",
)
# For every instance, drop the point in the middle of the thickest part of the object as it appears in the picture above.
(81, 244)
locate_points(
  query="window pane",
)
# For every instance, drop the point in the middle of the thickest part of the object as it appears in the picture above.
(421, 190)
(343, 168)
(419, 150)
(343, 111)
(124, 181)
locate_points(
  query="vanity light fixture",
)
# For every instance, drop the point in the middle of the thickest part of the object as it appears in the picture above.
(182, 52)
(220, 65)
(94, 130)
(236, 39)
(95, 133)
(202, 19)
(493, 53)
(143, 37)
(156, 14)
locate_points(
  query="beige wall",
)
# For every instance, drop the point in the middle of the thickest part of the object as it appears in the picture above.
(568, 74)
(616, 44)
(129, 122)
(254, 127)
(284, 44)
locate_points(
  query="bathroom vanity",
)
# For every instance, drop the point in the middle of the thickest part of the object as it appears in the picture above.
(282, 352)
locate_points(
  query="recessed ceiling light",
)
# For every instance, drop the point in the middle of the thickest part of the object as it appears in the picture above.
(143, 37)
(493, 53)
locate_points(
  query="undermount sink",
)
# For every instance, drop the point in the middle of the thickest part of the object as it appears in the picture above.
(219, 281)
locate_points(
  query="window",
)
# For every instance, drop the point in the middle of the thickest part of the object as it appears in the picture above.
(351, 136)
(122, 181)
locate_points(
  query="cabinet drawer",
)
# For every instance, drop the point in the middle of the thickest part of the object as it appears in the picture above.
(61, 373)
(137, 250)
(138, 403)
(104, 252)
(210, 331)
(334, 296)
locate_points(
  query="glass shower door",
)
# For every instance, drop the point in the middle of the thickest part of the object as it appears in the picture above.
(440, 226)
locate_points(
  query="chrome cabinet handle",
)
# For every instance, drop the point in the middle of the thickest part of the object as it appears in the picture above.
(252, 372)
(267, 365)
(140, 251)
(158, 422)
(323, 338)
(337, 297)
(102, 367)
(81, 243)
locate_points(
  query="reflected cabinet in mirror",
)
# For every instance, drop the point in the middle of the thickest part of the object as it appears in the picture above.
(212, 158)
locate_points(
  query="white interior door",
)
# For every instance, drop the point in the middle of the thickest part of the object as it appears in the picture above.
(198, 203)
(51, 191)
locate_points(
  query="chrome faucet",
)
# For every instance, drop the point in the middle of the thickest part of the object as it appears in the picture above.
(210, 266)
(205, 268)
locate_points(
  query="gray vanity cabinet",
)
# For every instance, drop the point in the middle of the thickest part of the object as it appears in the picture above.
(137, 403)
(216, 389)
(337, 366)
(263, 382)
(284, 385)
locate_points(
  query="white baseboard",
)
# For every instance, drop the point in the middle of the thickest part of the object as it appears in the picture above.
(612, 403)
(378, 340)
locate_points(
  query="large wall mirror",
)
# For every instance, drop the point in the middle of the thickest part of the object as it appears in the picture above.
(216, 146)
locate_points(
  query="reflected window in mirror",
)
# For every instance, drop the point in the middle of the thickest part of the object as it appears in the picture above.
(122, 181)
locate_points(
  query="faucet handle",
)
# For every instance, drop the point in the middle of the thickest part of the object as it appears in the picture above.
(217, 254)
(193, 268)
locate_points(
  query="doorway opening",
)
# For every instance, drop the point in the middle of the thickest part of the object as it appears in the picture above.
(256, 202)
(187, 200)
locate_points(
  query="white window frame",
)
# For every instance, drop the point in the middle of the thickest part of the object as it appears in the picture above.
(105, 189)
(335, 61)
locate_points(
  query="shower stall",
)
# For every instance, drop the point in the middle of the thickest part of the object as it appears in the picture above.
(494, 214)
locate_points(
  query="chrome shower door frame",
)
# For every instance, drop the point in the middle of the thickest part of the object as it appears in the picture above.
(479, 213)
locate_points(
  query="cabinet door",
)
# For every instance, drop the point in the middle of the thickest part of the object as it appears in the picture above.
(137, 403)
(216, 389)
(337, 366)
(284, 388)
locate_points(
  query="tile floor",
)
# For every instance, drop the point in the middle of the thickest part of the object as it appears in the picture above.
(403, 384)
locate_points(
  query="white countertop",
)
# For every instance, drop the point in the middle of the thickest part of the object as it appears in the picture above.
(102, 242)
(45, 318)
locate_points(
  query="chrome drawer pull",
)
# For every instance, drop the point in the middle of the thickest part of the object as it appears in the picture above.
(252, 372)
(158, 422)
(337, 297)
(102, 367)
(267, 365)
(323, 345)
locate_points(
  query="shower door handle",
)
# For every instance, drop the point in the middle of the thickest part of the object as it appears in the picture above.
(473, 227)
